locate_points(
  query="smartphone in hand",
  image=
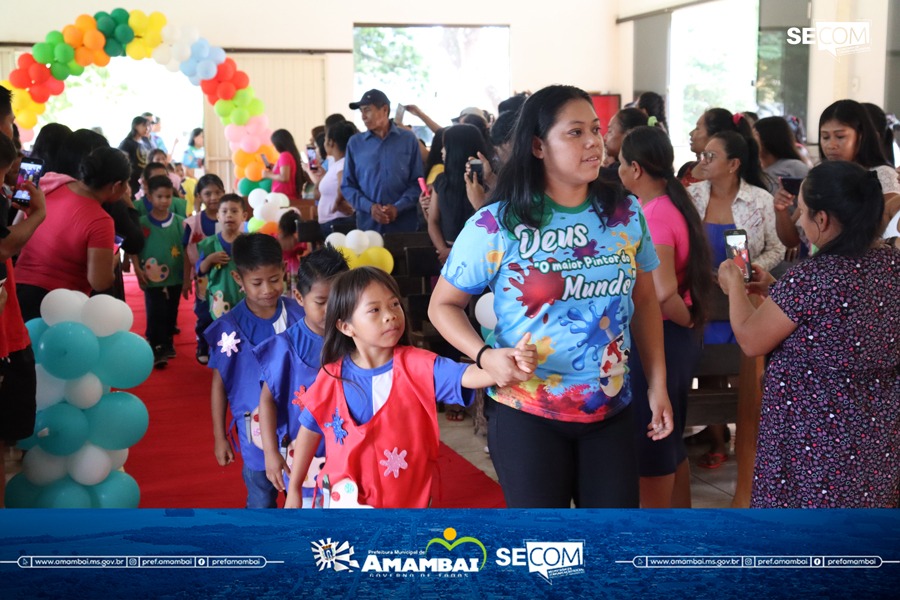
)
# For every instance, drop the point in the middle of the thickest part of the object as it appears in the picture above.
(737, 249)
(398, 116)
(791, 185)
(30, 170)
(476, 167)
(266, 161)
(422, 185)
(312, 157)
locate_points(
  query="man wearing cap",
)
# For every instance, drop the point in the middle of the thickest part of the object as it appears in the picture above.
(381, 170)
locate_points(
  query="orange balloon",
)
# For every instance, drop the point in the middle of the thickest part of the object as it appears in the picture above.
(85, 23)
(94, 40)
(101, 58)
(241, 158)
(270, 152)
(254, 171)
(84, 56)
(72, 35)
(270, 228)
(239, 171)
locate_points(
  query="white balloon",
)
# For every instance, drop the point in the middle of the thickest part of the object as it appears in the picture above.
(105, 315)
(269, 212)
(50, 390)
(257, 198)
(336, 239)
(85, 391)
(42, 468)
(357, 241)
(375, 239)
(278, 199)
(181, 51)
(162, 54)
(170, 33)
(484, 311)
(174, 65)
(61, 305)
(117, 458)
(89, 465)
(189, 34)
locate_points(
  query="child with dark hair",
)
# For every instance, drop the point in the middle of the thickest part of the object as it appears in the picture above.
(160, 269)
(198, 227)
(368, 370)
(288, 364)
(222, 290)
(263, 313)
(143, 204)
(291, 247)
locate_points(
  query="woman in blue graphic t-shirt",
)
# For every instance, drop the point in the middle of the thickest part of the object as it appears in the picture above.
(567, 256)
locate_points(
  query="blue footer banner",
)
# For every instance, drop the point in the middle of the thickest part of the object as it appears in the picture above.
(449, 554)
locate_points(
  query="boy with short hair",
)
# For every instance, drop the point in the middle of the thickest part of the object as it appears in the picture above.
(160, 268)
(222, 290)
(143, 205)
(236, 383)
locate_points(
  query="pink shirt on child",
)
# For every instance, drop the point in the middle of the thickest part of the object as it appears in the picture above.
(669, 228)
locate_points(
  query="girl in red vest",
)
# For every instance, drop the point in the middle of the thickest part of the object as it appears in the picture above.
(375, 399)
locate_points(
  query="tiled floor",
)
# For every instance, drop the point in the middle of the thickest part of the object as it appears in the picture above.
(710, 488)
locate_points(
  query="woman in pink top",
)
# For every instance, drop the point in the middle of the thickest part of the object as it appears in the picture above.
(683, 281)
(73, 249)
(287, 178)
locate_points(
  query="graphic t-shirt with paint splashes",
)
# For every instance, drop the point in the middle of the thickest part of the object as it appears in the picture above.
(569, 284)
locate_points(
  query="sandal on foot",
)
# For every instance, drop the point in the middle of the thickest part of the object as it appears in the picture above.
(712, 460)
(455, 415)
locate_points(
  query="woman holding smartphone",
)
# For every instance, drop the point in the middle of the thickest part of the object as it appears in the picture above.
(286, 175)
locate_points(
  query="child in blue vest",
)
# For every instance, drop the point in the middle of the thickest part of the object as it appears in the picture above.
(288, 365)
(232, 337)
(375, 399)
(160, 268)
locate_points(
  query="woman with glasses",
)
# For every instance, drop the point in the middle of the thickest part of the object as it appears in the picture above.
(733, 195)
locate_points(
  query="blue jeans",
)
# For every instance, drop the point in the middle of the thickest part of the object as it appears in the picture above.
(260, 491)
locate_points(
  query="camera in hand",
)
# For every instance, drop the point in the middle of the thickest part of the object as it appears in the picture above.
(476, 167)
(30, 170)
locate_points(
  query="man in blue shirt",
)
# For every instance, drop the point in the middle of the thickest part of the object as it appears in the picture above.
(381, 170)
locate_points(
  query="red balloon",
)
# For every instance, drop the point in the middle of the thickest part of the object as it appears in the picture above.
(20, 78)
(39, 73)
(208, 86)
(26, 60)
(39, 94)
(54, 86)
(212, 99)
(225, 71)
(240, 80)
(226, 90)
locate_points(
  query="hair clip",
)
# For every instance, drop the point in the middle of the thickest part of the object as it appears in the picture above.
(651, 122)
(737, 118)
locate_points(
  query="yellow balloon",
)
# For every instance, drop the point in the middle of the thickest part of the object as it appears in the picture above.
(21, 101)
(153, 38)
(138, 21)
(377, 257)
(5, 83)
(350, 256)
(156, 21)
(26, 120)
(37, 109)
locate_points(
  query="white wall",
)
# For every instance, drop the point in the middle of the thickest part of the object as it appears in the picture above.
(575, 43)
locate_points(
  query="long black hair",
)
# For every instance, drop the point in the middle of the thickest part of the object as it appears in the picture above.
(134, 125)
(284, 142)
(776, 138)
(346, 291)
(461, 142)
(192, 139)
(747, 152)
(655, 106)
(434, 153)
(879, 120)
(852, 195)
(103, 166)
(851, 113)
(48, 144)
(208, 180)
(651, 148)
(522, 181)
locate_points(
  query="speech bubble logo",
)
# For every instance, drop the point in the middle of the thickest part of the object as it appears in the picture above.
(544, 557)
(842, 37)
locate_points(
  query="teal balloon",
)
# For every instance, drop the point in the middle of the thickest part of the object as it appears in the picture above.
(485, 332)
(491, 340)
(28, 443)
(42, 52)
(68, 350)
(106, 24)
(118, 421)
(21, 493)
(64, 493)
(36, 328)
(126, 360)
(245, 186)
(124, 33)
(266, 184)
(120, 16)
(66, 428)
(119, 490)
(113, 47)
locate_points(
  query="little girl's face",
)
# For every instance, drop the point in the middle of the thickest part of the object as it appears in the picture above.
(314, 302)
(377, 320)
(210, 196)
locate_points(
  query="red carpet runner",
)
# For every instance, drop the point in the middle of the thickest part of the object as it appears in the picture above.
(174, 463)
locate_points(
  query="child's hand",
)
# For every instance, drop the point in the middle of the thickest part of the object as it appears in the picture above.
(526, 354)
(275, 464)
(186, 288)
(294, 499)
(141, 277)
(219, 258)
(224, 453)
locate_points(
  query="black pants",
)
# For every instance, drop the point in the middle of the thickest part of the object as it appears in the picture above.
(162, 313)
(18, 385)
(30, 298)
(204, 320)
(544, 463)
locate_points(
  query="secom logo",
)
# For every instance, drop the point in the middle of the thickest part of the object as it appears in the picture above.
(834, 37)
(547, 559)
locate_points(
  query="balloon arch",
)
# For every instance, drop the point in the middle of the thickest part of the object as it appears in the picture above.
(94, 40)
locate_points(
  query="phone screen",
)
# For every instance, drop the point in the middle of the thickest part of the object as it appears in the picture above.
(477, 169)
(737, 249)
(265, 161)
(30, 170)
(791, 185)
(312, 157)
(398, 117)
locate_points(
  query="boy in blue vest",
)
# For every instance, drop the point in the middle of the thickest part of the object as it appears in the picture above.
(232, 337)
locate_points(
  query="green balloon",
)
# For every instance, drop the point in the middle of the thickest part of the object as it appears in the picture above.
(105, 23)
(254, 224)
(42, 52)
(256, 107)
(113, 47)
(120, 15)
(60, 71)
(75, 69)
(266, 184)
(223, 108)
(245, 186)
(240, 116)
(54, 37)
(64, 53)
(243, 97)
(124, 33)
(21, 493)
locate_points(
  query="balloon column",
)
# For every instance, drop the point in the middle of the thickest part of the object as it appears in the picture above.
(83, 348)
(267, 210)
(93, 40)
(486, 317)
(362, 249)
